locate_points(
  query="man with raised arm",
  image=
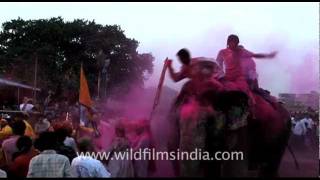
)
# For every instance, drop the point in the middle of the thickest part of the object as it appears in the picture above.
(231, 60)
(197, 69)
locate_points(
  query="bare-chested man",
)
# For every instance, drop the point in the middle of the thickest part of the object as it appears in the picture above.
(231, 58)
(186, 69)
(197, 69)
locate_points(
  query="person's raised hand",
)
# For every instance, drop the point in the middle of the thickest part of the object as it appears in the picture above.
(168, 62)
(273, 54)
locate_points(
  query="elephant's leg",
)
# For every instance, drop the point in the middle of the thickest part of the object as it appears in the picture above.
(256, 145)
(213, 169)
(173, 146)
(236, 141)
(191, 168)
(274, 156)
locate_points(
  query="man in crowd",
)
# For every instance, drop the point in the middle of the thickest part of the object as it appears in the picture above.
(29, 130)
(69, 140)
(9, 145)
(85, 166)
(26, 105)
(122, 168)
(48, 164)
(61, 134)
(5, 130)
(309, 124)
(143, 167)
(21, 159)
(299, 133)
(42, 125)
(293, 122)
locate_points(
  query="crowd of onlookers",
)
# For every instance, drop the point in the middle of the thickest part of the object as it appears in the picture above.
(305, 131)
(47, 144)
(45, 141)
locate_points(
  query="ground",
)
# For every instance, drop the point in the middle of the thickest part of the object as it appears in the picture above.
(308, 160)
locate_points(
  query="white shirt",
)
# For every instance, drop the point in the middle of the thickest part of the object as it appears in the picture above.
(27, 108)
(293, 121)
(300, 128)
(85, 166)
(309, 122)
(3, 174)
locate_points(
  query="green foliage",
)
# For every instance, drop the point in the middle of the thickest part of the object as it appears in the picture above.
(62, 46)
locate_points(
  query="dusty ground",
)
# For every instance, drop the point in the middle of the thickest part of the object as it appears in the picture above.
(308, 160)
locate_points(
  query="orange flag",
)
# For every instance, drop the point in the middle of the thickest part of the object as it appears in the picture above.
(84, 94)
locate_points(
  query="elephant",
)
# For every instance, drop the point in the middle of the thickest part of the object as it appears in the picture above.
(207, 118)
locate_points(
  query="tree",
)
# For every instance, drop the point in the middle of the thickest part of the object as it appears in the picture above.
(62, 46)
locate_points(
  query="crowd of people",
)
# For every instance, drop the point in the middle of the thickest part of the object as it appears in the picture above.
(50, 143)
(305, 130)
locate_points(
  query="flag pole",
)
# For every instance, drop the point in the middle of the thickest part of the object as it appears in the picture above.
(79, 105)
(86, 101)
(35, 78)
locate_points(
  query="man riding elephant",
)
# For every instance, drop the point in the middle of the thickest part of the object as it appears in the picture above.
(232, 60)
(249, 70)
(198, 69)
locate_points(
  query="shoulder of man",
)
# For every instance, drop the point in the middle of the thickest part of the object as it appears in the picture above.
(223, 51)
(8, 142)
(63, 158)
(35, 159)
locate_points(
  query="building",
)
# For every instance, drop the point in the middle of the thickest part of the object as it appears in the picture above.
(310, 100)
(287, 98)
(300, 102)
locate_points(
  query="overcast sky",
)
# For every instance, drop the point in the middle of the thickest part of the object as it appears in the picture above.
(164, 28)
